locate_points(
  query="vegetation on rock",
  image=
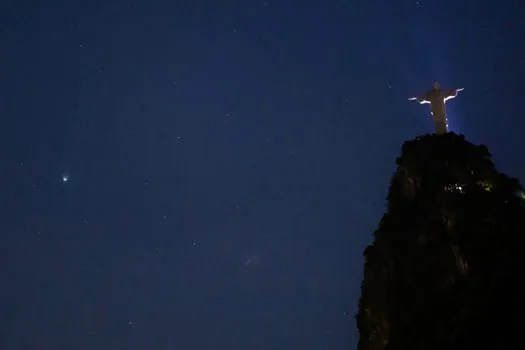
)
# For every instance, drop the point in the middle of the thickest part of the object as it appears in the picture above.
(444, 270)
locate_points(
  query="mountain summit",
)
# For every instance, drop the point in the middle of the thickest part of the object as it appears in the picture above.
(445, 268)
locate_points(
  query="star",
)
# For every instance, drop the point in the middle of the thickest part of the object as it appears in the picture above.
(65, 178)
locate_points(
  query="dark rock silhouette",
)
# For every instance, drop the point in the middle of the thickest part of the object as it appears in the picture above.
(445, 268)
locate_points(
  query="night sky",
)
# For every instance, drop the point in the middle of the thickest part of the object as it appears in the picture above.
(206, 174)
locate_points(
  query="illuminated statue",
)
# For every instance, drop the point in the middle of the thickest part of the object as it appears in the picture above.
(437, 98)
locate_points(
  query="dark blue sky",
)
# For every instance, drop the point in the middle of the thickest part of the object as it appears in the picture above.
(227, 161)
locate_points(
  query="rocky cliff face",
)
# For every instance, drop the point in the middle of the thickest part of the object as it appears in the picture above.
(445, 268)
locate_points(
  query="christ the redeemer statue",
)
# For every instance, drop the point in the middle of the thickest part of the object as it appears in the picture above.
(437, 97)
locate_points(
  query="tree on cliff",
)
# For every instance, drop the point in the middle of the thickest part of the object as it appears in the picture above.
(445, 268)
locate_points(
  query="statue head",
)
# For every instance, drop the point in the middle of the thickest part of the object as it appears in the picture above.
(435, 85)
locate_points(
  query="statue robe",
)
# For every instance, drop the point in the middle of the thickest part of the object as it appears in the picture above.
(437, 98)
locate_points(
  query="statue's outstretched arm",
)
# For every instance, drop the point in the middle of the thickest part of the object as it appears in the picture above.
(420, 100)
(451, 94)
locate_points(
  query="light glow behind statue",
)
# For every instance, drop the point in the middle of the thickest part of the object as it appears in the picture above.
(437, 98)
